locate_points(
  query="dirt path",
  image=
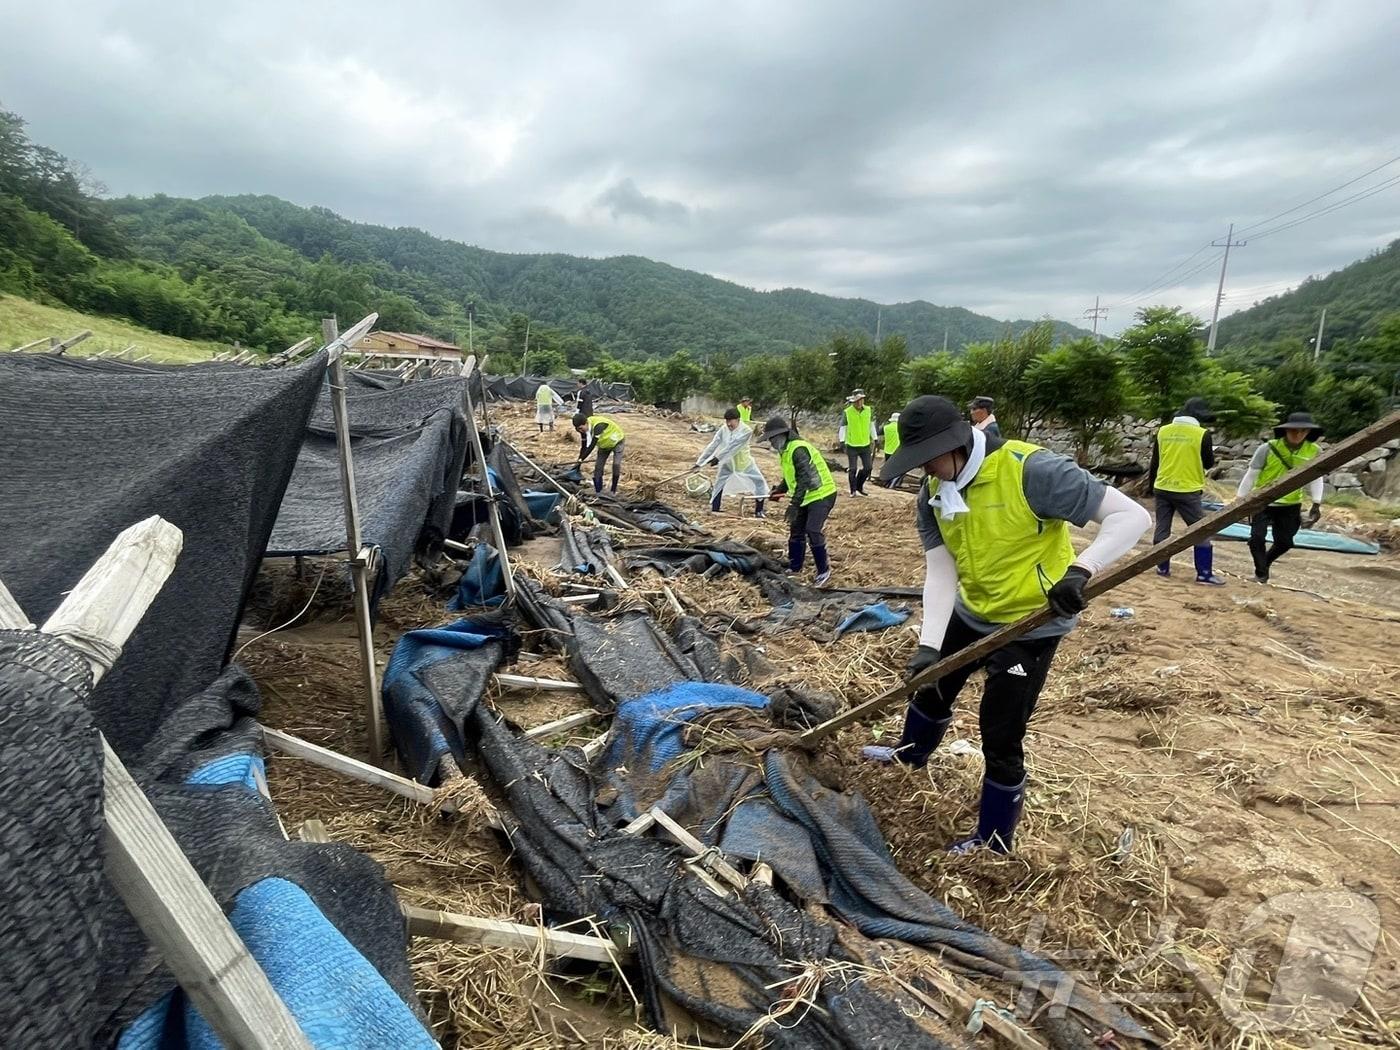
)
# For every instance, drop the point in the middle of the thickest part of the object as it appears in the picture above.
(1216, 770)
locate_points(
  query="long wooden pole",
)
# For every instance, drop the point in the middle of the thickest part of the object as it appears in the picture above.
(1260, 498)
(493, 512)
(359, 557)
(143, 862)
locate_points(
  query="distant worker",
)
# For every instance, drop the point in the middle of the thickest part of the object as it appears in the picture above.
(1181, 455)
(858, 436)
(811, 493)
(545, 401)
(994, 518)
(891, 436)
(980, 409)
(604, 435)
(583, 406)
(1294, 443)
(729, 450)
(745, 409)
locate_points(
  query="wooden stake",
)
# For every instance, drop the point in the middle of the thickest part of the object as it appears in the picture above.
(493, 511)
(717, 863)
(71, 342)
(496, 933)
(520, 681)
(351, 767)
(358, 557)
(562, 725)
(1325, 463)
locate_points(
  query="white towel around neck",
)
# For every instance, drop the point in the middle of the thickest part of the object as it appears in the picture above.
(948, 500)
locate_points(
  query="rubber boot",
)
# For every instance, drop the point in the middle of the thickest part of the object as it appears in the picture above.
(715, 502)
(861, 479)
(851, 476)
(758, 509)
(1165, 569)
(823, 566)
(920, 737)
(1205, 561)
(597, 484)
(997, 817)
(797, 552)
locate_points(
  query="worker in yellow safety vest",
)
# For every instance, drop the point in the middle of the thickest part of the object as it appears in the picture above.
(603, 434)
(857, 434)
(745, 409)
(891, 440)
(811, 493)
(993, 517)
(1294, 443)
(545, 400)
(1181, 454)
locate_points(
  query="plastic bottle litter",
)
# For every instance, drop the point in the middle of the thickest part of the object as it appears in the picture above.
(1121, 612)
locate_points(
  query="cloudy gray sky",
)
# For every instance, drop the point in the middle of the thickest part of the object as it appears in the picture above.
(1014, 158)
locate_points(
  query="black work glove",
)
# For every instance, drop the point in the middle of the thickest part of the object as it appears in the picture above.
(1067, 596)
(714, 462)
(1314, 515)
(924, 656)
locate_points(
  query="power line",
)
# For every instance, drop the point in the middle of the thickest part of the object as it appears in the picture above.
(1313, 200)
(1152, 284)
(1180, 278)
(1345, 202)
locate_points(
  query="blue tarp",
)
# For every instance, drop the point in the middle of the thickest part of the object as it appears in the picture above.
(651, 726)
(1308, 539)
(425, 720)
(483, 581)
(872, 618)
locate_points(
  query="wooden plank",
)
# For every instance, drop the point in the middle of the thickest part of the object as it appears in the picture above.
(1336, 456)
(497, 933)
(520, 681)
(483, 475)
(711, 857)
(351, 767)
(43, 341)
(562, 725)
(641, 825)
(142, 860)
(184, 922)
(313, 830)
(71, 341)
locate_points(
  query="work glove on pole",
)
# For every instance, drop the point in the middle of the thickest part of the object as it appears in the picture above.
(1067, 596)
(714, 462)
(925, 656)
(1314, 514)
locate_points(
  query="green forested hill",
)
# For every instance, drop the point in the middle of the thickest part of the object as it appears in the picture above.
(632, 306)
(1357, 298)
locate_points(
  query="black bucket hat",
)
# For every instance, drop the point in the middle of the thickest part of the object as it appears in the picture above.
(928, 427)
(981, 402)
(1198, 410)
(776, 425)
(1300, 421)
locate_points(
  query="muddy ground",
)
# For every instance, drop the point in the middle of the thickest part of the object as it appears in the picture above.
(1213, 815)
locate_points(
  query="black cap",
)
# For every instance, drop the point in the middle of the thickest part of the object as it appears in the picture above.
(1299, 421)
(1197, 409)
(928, 427)
(776, 425)
(580, 420)
(731, 413)
(981, 402)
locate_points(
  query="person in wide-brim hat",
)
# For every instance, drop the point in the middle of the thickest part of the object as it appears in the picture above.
(857, 436)
(811, 493)
(993, 516)
(1294, 444)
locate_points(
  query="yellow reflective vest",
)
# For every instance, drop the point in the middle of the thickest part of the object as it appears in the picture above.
(745, 413)
(1179, 466)
(827, 486)
(1282, 459)
(611, 437)
(1007, 558)
(857, 426)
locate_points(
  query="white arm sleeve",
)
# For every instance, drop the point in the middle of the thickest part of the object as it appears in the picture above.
(710, 449)
(940, 587)
(1247, 483)
(841, 434)
(1315, 490)
(1122, 522)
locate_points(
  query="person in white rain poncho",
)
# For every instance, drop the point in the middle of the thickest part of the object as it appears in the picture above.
(545, 400)
(729, 450)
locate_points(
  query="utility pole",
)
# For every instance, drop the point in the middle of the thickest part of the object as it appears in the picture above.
(524, 357)
(879, 312)
(945, 338)
(1317, 343)
(1096, 313)
(1230, 242)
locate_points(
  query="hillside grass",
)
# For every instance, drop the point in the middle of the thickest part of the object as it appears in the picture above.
(22, 321)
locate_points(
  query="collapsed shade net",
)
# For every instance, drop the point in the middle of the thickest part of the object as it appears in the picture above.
(408, 444)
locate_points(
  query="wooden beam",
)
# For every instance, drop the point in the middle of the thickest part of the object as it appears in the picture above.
(352, 767)
(71, 341)
(520, 681)
(492, 510)
(562, 725)
(496, 933)
(711, 857)
(1336, 456)
(43, 341)
(143, 862)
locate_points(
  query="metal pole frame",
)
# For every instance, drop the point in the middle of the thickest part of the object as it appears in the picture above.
(493, 512)
(361, 558)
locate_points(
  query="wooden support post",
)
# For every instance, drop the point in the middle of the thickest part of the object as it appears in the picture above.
(1336, 456)
(562, 725)
(493, 511)
(350, 767)
(71, 341)
(358, 556)
(143, 862)
(45, 341)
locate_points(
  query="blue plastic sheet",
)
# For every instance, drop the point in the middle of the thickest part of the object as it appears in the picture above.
(483, 581)
(872, 618)
(1308, 539)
